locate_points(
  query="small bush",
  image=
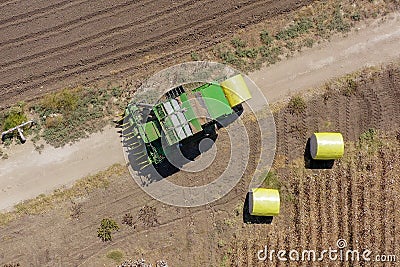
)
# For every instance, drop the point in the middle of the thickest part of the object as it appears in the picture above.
(76, 210)
(107, 227)
(266, 38)
(148, 216)
(194, 56)
(238, 43)
(350, 87)
(338, 23)
(14, 117)
(62, 102)
(297, 105)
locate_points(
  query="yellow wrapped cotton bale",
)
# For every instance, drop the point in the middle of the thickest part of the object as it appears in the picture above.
(264, 202)
(236, 90)
(326, 146)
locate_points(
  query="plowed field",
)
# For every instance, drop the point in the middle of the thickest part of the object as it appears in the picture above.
(48, 45)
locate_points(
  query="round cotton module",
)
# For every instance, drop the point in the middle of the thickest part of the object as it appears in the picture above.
(264, 202)
(326, 146)
(236, 90)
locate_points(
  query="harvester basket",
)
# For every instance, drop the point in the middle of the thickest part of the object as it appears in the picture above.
(236, 90)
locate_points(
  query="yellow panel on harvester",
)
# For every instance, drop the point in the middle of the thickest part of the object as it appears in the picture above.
(326, 146)
(236, 90)
(264, 202)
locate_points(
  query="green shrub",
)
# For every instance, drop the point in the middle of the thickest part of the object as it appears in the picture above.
(266, 38)
(338, 23)
(106, 228)
(297, 105)
(270, 54)
(14, 117)
(194, 56)
(238, 43)
(62, 102)
(293, 31)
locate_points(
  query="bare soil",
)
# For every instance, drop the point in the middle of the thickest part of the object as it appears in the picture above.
(49, 45)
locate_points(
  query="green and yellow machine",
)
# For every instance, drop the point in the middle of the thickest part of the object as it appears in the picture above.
(180, 115)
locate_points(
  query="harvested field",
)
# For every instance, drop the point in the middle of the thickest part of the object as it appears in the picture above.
(357, 200)
(48, 45)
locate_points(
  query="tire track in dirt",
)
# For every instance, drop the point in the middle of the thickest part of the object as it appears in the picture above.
(122, 52)
(74, 21)
(80, 22)
(23, 18)
(26, 86)
(32, 13)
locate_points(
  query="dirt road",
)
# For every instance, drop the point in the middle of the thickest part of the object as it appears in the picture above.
(374, 44)
(27, 173)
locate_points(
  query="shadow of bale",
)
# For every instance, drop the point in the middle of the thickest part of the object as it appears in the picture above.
(310, 163)
(253, 219)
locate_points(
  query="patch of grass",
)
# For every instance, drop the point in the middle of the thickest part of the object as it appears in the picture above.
(308, 42)
(270, 54)
(338, 23)
(370, 141)
(70, 115)
(297, 105)
(272, 180)
(225, 260)
(194, 56)
(300, 27)
(238, 43)
(62, 102)
(116, 255)
(350, 86)
(266, 38)
(107, 227)
(229, 222)
(227, 56)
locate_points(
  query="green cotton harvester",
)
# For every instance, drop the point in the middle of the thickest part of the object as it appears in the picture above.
(153, 130)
